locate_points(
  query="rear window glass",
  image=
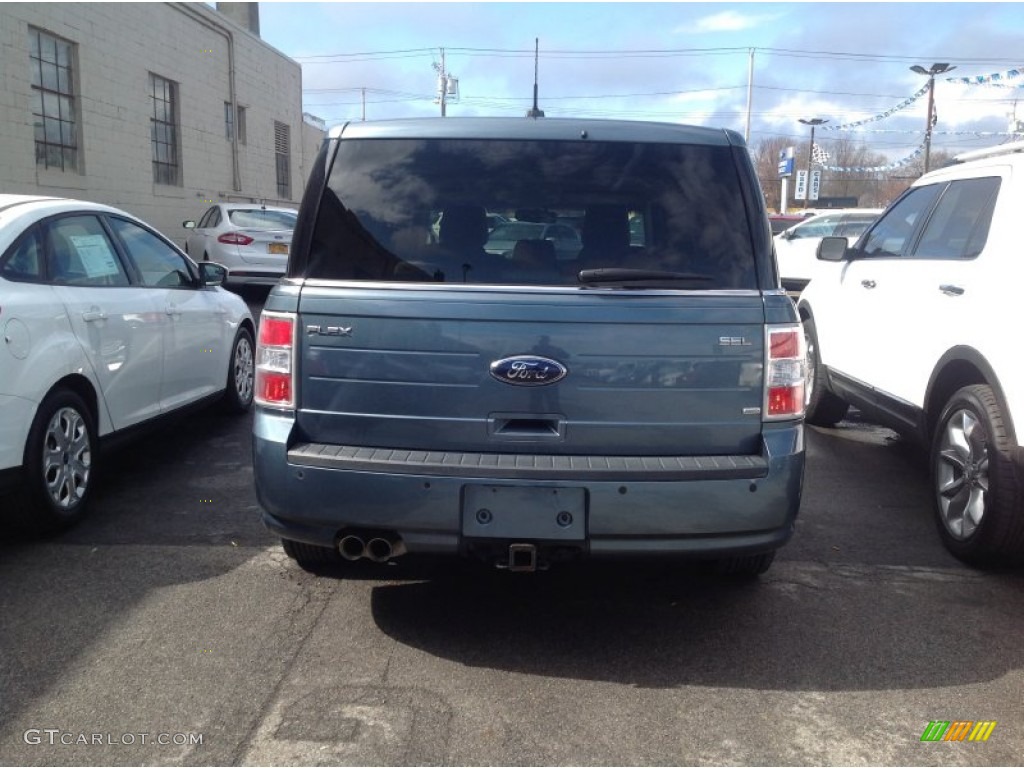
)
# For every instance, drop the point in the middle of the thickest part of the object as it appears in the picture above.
(24, 261)
(532, 213)
(259, 219)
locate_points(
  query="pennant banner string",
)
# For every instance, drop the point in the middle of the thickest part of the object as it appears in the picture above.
(937, 133)
(878, 168)
(901, 106)
(996, 78)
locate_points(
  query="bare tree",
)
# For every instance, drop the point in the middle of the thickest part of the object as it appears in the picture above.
(871, 189)
(765, 155)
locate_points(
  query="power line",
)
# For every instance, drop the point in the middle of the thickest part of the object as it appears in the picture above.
(647, 53)
(574, 104)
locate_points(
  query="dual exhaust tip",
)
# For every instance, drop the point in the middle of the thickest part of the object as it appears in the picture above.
(378, 548)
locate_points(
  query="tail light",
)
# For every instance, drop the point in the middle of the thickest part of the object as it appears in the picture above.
(785, 372)
(234, 238)
(275, 360)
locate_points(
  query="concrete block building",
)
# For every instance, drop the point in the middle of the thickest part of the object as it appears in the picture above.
(157, 108)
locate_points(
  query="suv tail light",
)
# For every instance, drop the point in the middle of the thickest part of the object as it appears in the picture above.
(234, 238)
(785, 371)
(275, 360)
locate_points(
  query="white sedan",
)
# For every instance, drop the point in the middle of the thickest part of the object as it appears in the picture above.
(796, 247)
(106, 325)
(252, 241)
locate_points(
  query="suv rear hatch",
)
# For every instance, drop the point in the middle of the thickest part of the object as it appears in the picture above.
(646, 374)
(409, 330)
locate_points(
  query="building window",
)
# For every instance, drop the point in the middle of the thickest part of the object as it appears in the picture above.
(230, 123)
(164, 93)
(282, 156)
(53, 101)
(241, 125)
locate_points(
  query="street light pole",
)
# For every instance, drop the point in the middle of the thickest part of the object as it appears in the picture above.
(535, 111)
(936, 69)
(814, 121)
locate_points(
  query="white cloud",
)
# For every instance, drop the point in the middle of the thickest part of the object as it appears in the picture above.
(726, 21)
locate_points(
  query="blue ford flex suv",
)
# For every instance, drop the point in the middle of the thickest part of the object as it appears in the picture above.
(418, 392)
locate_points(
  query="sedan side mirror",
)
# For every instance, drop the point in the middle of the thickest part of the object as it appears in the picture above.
(188, 224)
(832, 249)
(211, 273)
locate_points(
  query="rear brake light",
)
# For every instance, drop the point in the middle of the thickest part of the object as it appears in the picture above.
(234, 238)
(785, 372)
(275, 360)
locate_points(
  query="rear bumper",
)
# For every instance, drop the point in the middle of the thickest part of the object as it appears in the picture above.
(794, 285)
(254, 276)
(704, 507)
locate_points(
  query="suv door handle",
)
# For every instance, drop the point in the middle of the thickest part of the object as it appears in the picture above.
(952, 290)
(93, 314)
(868, 283)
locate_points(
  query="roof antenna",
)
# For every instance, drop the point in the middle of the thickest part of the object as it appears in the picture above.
(535, 112)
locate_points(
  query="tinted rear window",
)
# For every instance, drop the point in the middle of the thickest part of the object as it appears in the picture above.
(425, 211)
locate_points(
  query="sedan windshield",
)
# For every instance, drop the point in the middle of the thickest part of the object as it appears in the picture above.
(418, 211)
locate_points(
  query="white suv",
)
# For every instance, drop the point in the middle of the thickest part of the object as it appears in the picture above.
(919, 329)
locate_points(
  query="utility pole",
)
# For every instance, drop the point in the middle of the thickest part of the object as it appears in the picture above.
(814, 121)
(447, 85)
(750, 94)
(936, 69)
(443, 81)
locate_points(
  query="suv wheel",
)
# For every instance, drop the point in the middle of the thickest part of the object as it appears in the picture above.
(978, 499)
(60, 460)
(311, 557)
(823, 408)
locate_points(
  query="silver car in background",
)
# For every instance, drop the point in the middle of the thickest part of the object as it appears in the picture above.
(795, 247)
(252, 241)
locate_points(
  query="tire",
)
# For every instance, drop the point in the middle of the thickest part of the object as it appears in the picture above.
(822, 408)
(60, 461)
(743, 567)
(312, 558)
(977, 491)
(241, 373)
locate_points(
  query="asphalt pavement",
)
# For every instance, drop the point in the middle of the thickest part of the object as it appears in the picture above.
(169, 628)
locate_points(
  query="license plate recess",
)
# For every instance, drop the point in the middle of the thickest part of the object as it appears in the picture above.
(524, 513)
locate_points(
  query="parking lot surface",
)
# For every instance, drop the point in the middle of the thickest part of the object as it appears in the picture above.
(169, 628)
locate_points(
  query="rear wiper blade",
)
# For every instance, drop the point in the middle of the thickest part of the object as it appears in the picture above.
(622, 275)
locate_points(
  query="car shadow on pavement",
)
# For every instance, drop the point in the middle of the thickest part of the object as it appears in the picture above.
(863, 598)
(800, 627)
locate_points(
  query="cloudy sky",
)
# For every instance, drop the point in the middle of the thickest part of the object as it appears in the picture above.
(672, 61)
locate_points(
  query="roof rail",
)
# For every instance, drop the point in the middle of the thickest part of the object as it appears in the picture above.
(1002, 149)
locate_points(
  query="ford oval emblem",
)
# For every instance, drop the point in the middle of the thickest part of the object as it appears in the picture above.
(528, 370)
